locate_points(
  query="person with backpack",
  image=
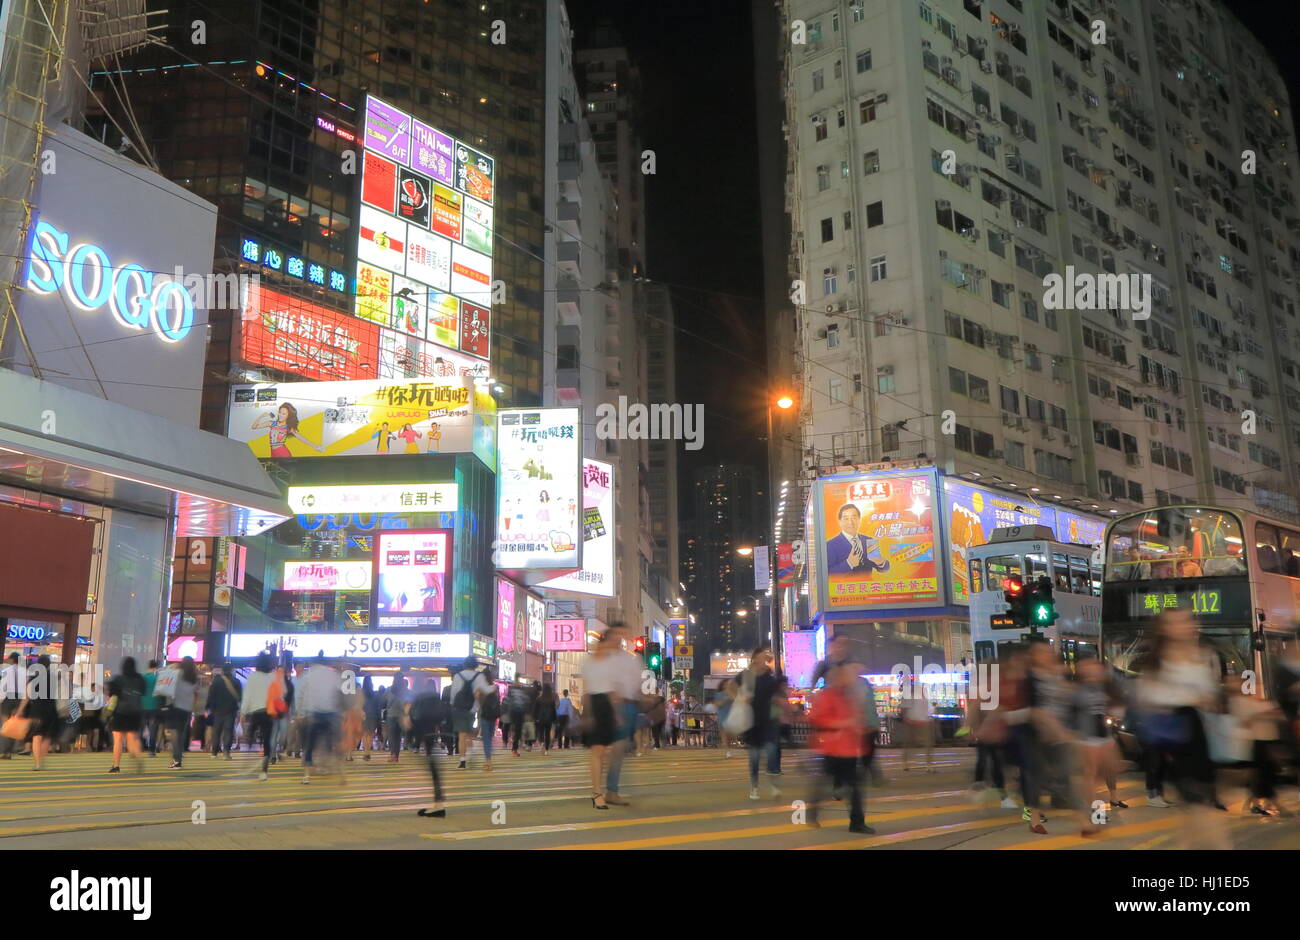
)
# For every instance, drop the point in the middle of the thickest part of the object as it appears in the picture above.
(126, 691)
(399, 697)
(256, 706)
(223, 706)
(518, 702)
(466, 688)
(544, 712)
(489, 710)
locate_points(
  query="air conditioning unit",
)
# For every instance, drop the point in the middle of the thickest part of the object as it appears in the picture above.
(983, 110)
(1071, 440)
(1133, 459)
(882, 98)
(980, 272)
(885, 370)
(821, 334)
(986, 66)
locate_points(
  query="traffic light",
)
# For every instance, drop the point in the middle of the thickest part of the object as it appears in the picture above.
(1040, 607)
(667, 671)
(1013, 592)
(638, 645)
(654, 658)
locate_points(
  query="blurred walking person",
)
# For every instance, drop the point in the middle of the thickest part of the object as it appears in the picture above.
(41, 709)
(628, 669)
(1096, 697)
(321, 698)
(423, 717)
(841, 736)
(466, 687)
(371, 710)
(183, 687)
(1181, 680)
(126, 692)
(517, 704)
(989, 730)
(1254, 722)
(12, 681)
(673, 717)
(1048, 742)
(255, 707)
(563, 718)
(658, 716)
(152, 709)
(544, 714)
(222, 707)
(600, 679)
(399, 698)
(918, 726)
(354, 717)
(489, 710)
(758, 690)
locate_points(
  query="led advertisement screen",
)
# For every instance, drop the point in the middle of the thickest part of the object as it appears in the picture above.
(877, 541)
(539, 489)
(330, 419)
(412, 574)
(597, 574)
(291, 334)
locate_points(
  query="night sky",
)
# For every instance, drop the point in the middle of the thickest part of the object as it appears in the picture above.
(703, 239)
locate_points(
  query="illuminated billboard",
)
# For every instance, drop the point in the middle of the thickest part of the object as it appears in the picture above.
(329, 419)
(412, 574)
(876, 541)
(327, 575)
(975, 511)
(424, 233)
(566, 636)
(291, 334)
(360, 646)
(539, 489)
(799, 652)
(597, 574)
(535, 641)
(506, 615)
(372, 498)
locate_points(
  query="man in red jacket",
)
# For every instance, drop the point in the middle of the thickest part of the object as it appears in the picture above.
(841, 730)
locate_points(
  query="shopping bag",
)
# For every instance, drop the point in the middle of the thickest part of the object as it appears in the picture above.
(16, 728)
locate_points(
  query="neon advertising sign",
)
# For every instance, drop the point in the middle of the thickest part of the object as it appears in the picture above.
(88, 278)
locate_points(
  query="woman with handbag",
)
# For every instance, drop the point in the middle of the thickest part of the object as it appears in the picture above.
(20, 724)
(187, 681)
(1095, 697)
(1180, 682)
(753, 718)
(261, 695)
(126, 697)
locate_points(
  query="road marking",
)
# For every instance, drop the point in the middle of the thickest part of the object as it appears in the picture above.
(601, 824)
(911, 835)
(1118, 832)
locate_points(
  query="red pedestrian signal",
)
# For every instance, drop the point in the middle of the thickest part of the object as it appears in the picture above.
(639, 644)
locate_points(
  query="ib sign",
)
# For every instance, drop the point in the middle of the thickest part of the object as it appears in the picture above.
(566, 636)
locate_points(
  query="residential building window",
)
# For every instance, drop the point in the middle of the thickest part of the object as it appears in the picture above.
(1031, 310)
(839, 69)
(823, 178)
(1002, 293)
(867, 111)
(820, 130)
(977, 388)
(878, 268)
(848, 221)
(875, 216)
(885, 381)
(833, 336)
(1014, 454)
(871, 162)
(957, 380)
(864, 60)
(819, 79)
(828, 281)
(836, 387)
(889, 439)
(1010, 400)
(852, 272)
(828, 230)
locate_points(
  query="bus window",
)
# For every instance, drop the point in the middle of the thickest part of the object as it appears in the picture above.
(1036, 567)
(1002, 566)
(976, 576)
(1079, 580)
(1095, 579)
(1060, 572)
(1266, 554)
(1174, 542)
(1289, 551)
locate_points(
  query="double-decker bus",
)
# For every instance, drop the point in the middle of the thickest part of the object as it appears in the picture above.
(1027, 553)
(1236, 572)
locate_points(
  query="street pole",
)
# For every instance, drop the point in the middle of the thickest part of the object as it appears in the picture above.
(773, 576)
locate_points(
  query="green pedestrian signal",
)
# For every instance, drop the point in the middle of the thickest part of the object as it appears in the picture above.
(1044, 613)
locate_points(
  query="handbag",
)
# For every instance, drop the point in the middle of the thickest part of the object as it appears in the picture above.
(741, 716)
(16, 727)
(1227, 743)
(1164, 730)
(107, 714)
(276, 705)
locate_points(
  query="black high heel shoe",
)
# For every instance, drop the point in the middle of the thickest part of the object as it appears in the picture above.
(440, 813)
(596, 805)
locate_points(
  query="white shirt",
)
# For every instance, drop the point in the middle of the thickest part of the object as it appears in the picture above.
(1178, 684)
(600, 676)
(319, 690)
(628, 671)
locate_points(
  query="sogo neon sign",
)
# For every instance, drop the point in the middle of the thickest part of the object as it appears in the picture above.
(89, 280)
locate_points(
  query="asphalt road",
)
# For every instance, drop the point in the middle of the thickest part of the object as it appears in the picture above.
(681, 799)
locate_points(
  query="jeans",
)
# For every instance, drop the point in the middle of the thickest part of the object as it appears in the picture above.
(627, 712)
(770, 746)
(179, 721)
(395, 736)
(562, 731)
(843, 773)
(516, 729)
(261, 723)
(223, 730)
(152, 723)
(657, 731)
(987, 754)
(279, 731)
(544, 734)
(320, 730)
(486, 731)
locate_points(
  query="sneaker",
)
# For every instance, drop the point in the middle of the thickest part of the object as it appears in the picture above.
(460, 766)
(262, 775)
(1024, 815)
(306, 779)
(1158, 802)
(1009, 803)
(1117, 804)
(487, 767)
(115, 770)
(753, 793)
(728, 754)
(175, 765)
(863, 829)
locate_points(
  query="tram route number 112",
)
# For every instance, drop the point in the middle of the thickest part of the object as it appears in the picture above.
(1205, 602)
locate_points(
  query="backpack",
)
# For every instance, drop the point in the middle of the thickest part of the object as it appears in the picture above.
(489, 708)
(129, 699)
(427, 713)
(463, 700)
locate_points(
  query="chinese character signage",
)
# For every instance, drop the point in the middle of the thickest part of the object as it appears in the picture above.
(412, 577)
(539, 489)
(353, 646)
(535, 640)
(506, 615)
(727, 664)
(327, 575)
(877, 541)
(295, 335)
(785, 565)
(597, 574)
(424, 233)
(376, 416)
(381, 498)
(975, 511)
(762, 569)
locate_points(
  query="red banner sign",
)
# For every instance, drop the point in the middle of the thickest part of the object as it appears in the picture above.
(298, 336)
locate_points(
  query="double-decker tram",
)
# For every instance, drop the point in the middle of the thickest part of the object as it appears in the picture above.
(1018, 557)
(1236, 572)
